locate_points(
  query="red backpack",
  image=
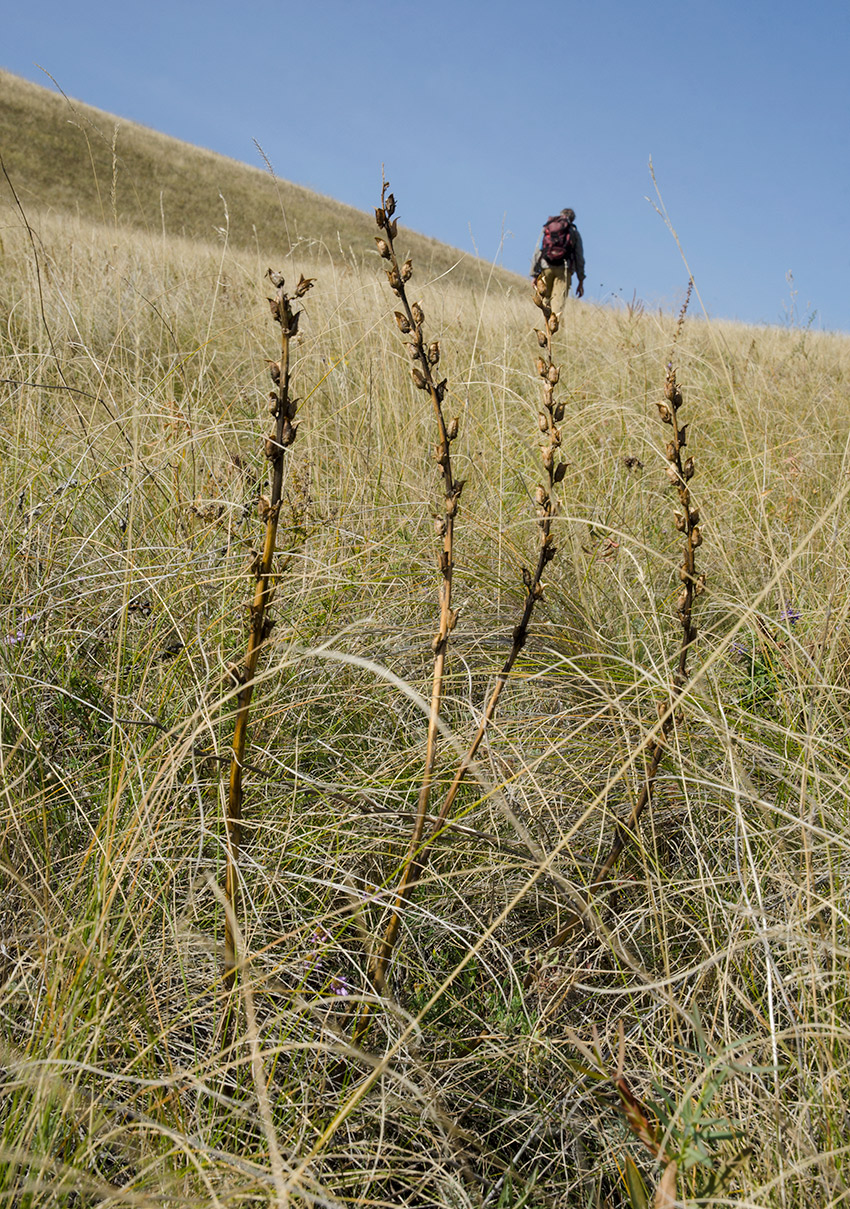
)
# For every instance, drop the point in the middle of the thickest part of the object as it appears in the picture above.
(557, 240)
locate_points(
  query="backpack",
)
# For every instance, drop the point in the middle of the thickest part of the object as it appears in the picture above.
(557, 240)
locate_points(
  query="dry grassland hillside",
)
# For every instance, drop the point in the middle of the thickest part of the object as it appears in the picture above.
(609, 964)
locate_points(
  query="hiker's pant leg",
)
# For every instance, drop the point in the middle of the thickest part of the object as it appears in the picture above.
(551, 274)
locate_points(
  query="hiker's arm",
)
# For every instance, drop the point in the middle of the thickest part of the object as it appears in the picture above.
(578, 261)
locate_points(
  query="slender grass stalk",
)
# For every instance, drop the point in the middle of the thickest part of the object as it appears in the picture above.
(282, 407)
(548, 420)
(425, 358)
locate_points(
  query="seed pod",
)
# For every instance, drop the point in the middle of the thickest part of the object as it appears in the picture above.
(392, 229)
(412, 351)
(683, 601)
(452, 428)
(684, 574)
(548, 457)
(671, 452)
(394, 279)
(696, 537)
(672, 474)
(274, 370)
(389, 205)
(541, 338)
(680, 522)
(542, 422)
(274, 307)
(699, 585)
(558, 413)
(541, 496)
(407, 270)
(434, 353)
(555, 436)
(665, 413)
(554, 374)
(688, 469)
(416, 311)
(276, 279)
(304, 284)
(560, 471)
(272, 447)
(526, 577)
(552, 323)
(380, 217)
(403, 322)
(419, 379)
(542, 368)
(264, 507)
(452, 619)
(440, 526)
(693, 516)
(440, 389)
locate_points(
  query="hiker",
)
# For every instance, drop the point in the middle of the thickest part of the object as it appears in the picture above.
(558, 255)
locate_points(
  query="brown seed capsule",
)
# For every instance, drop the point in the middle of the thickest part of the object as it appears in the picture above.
(688, 469)
(274, 403)
(558, 413)
(548, 457)
(419, 379)
(440, 526)
(452, 428)
(553, 323)
(274, 370)
(560, 471)
(671, 452)
(542, 422)
(403, 322)
(526, 577)
(392, 229)
(417, 313)
(680, 522)
(542, 368)
(541, 495)
(693, 516)
(407, 270)
(554, 374)
(541, 338)
(699, 586)
(696, 537)
(665, 413)
(452, 619)
(389, 205)
(434, 353)
(672, 474)
(380, 217)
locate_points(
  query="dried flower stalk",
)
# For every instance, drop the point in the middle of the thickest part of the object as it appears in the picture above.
(547, 507)
(425, 357)
(282, 408)
(680, 471)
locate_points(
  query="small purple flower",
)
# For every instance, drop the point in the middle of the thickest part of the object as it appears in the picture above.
(790, 614)
(339, 985)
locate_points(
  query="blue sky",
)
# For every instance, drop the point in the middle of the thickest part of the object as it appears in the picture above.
(488, 116)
